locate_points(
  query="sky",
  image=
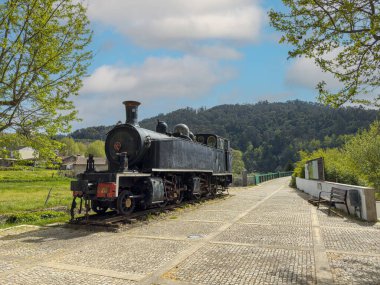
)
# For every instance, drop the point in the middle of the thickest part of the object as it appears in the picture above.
(172, 54)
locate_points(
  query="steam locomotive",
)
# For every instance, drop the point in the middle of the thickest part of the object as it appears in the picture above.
(152, 168)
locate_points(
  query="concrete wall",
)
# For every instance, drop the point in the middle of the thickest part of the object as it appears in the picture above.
(313, 187)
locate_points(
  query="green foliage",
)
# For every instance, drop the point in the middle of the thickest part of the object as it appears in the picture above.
(237, 161)
(250, 157)
(270, 135)
(343, 37)
(82, 148)
(46, 148)
(96, 148)
(336, 168)
(70, 147)
(92, 133)
(357, 162)
(363, 153)
(43, 57)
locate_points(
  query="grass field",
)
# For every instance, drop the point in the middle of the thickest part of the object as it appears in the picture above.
(29, 175)
(23, 195)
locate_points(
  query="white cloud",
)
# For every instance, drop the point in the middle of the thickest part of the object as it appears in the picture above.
(305, 73)
(187, 76)
(175, 23)
(157, 79)
(110, 79)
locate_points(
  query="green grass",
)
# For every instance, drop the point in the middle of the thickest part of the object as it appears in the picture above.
(29, 175)
(27, 196)
(23, 195)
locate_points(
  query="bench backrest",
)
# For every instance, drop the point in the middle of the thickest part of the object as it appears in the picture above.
(339, 194)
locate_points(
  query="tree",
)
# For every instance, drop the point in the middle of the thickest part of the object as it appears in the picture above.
(250, 158)
(96, 148)
(81, 147)
(343, 37)
(363, 150)
(237, 162)
(43, 57)
(70, 147)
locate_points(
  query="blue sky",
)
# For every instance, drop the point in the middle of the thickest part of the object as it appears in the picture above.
(171, 54)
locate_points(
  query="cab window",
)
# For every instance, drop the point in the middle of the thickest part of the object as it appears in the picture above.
(211, 141)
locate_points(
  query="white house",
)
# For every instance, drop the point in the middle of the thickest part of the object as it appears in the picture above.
(24, 153)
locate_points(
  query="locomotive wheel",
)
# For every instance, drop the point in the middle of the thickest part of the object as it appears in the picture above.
(125, 204)
(213, 191)
(99, 207)
(180, 198)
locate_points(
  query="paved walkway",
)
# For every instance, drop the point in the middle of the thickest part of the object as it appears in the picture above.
(262, 235)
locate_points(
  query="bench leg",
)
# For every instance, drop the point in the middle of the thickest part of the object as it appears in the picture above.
(348, 211)
(319, 202)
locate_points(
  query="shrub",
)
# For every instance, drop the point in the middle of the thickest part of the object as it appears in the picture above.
(356, 163)
(363, 152)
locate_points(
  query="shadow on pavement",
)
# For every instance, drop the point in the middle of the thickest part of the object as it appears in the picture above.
(44, 234)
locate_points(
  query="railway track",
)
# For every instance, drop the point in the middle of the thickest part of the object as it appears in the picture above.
(112, 221)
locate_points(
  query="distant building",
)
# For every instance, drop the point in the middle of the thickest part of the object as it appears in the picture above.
(68, 162)
(78, 163)
(22, 153)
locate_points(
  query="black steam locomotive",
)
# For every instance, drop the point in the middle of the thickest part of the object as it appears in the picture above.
(147, 168)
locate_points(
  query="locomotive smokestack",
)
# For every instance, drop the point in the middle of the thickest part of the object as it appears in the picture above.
(131, 108)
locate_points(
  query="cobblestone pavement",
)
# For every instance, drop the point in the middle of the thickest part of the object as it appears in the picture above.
(267, 234)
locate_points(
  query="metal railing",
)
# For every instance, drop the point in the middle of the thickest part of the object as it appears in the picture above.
(259, 178)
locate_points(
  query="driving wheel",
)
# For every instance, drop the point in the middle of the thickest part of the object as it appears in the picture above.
(125, 203)
(99, 207)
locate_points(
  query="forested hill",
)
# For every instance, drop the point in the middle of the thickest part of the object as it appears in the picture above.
(269, 134)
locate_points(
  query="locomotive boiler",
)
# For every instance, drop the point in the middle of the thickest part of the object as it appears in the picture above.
(152, 168)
